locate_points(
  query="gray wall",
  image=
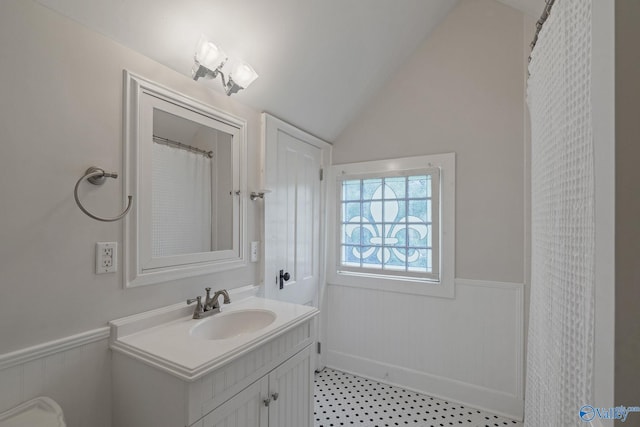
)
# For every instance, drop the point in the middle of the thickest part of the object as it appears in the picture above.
(462, 91)
(627, 320)
(61, 112)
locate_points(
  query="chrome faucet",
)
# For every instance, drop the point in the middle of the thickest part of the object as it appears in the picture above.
(211, 303)
(210, 306)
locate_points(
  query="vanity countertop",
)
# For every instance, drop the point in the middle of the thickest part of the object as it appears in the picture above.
(161, 338)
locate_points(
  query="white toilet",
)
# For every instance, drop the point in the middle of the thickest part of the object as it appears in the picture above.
(39, 412)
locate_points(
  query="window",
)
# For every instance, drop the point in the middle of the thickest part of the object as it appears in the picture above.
(394, 225)
(389, 223)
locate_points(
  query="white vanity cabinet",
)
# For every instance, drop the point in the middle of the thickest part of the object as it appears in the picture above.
(282, 399)
(267, 381)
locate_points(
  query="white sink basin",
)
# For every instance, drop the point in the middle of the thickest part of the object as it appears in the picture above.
(228, 325)
(169, 339)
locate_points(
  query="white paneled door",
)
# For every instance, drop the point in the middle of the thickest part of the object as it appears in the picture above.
(294, 219)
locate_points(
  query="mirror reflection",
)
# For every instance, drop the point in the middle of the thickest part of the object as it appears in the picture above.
(192, 187)
(186, 166)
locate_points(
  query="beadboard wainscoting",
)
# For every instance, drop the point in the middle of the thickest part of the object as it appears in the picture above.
(75, 371)
(468, 349)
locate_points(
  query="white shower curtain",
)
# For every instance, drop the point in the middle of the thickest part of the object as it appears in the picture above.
(561, 323)
(181, 198)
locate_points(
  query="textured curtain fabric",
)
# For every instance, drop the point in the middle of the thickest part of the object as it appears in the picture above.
(561, 323)
(181, 198)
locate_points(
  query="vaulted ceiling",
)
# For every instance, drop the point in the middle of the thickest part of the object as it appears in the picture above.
(319, 61)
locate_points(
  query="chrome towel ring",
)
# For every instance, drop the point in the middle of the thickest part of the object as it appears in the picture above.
(97, 176)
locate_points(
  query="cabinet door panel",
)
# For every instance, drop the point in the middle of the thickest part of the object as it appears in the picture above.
(245, 409)
(293, 383)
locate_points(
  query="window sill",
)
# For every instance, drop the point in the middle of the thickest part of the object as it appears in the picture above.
(442, 289)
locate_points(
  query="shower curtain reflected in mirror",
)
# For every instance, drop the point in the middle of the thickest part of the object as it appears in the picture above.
(181, 198)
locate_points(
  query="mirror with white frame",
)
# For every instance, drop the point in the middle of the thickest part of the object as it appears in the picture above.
(186, 167)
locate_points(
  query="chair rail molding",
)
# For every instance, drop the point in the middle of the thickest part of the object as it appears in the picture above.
(18, 357)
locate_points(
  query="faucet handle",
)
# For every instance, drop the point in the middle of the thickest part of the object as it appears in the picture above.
(192, 300)
(199, 309)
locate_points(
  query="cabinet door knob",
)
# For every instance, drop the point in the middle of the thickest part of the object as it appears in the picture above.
(274, 396)
(266, 402)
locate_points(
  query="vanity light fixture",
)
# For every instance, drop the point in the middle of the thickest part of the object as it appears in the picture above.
(209, 61)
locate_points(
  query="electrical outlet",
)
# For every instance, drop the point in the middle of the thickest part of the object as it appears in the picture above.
(106, 257)
(255, 251)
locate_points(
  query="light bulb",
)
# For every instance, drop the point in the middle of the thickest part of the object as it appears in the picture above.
(243, 75)
(209, 55)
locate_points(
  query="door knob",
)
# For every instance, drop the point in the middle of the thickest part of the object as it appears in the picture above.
(284, 277)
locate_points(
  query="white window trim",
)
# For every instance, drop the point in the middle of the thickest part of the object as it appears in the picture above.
(443, 288)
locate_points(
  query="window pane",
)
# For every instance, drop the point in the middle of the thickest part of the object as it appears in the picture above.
(395, 259)
(374, 210)
(350, 256)
(395, 211)
(351, 212)
(417, 211)
(418, 235)
(370, 257)
(395, 235)
(369, 233)
(366, 212)
(351, 190)
(395, 187)
(418, 186)
(376, 239)
(418, 260)
(351, 234)
(371, 187)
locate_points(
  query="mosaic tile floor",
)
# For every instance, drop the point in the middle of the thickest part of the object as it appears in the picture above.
(343, 400)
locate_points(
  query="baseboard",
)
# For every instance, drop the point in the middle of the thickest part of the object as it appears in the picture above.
(470, 395)
(9, 360)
